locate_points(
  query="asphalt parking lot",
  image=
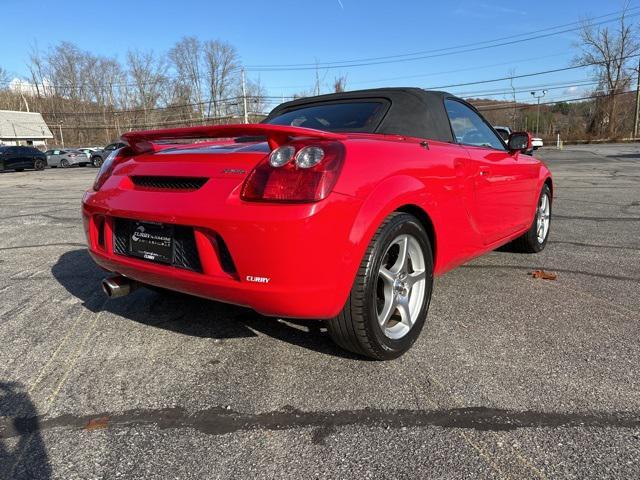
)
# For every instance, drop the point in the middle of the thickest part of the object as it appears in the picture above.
(513, 377)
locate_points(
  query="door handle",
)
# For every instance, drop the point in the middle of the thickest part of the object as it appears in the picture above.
(484, 171)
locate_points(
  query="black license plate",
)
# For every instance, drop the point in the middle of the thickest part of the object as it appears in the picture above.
(151, 241)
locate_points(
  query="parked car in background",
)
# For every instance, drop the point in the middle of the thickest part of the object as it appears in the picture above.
(340, 207)
(504, 132)
(19, 158)
(536, 143)
(88, 151)
(66, 158)
(99, 156)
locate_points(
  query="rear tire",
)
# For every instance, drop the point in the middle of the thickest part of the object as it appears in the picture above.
(535, 239)
(64, 163)
(39, 164)
(96, 162)
(389, 299)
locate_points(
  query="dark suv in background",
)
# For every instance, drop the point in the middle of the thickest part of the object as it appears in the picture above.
(100, 156)
(19, 158)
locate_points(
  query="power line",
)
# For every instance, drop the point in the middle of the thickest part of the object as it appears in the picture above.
(526, 75)
(527, 89)
(434, 74)
(225, 101)
(554, 102)
(474, 44)
(509, 106)
(424, 57)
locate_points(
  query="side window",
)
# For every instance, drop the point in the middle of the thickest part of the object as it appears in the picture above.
(110, 147)
(469, 128)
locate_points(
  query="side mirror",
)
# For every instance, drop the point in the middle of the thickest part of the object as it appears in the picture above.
(519, 141)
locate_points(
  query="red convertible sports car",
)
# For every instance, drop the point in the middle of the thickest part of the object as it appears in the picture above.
(338, 207)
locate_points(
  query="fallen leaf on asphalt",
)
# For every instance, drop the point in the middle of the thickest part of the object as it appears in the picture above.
(543, 275)
(97, 423)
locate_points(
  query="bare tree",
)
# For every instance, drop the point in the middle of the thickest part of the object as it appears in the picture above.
(340, 83)
(5, 78)
(221, 67)
(187, 59)
(148, 78)
(67, 67)
(609, 51)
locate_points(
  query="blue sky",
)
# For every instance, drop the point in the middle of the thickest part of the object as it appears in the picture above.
(306, 31)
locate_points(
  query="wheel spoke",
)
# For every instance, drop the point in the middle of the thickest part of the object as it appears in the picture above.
(405, 314)
(387, 311)
(387, 276)
(415, 277)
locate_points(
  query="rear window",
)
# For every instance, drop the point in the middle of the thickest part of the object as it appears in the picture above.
(334, 117)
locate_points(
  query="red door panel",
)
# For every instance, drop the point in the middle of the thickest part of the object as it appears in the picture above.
(501, 193)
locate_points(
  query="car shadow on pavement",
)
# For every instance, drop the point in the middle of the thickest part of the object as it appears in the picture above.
(185, 314)
(22, 451)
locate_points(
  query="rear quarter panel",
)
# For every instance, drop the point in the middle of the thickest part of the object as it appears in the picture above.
(388, 175)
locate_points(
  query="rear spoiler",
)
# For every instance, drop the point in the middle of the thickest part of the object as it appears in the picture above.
(143, 141)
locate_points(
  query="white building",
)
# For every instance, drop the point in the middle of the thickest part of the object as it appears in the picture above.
(23, 128)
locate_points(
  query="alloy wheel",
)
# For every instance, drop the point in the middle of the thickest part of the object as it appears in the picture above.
(400, 286)
(543, 218)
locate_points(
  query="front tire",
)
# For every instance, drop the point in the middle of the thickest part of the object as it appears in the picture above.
(96, 162)
(389, 299)
(39, 164)
(535, 239)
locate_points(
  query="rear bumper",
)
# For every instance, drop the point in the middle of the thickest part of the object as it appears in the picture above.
(291, 261)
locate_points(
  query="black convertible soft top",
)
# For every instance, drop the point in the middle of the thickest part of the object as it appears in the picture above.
(411, 111)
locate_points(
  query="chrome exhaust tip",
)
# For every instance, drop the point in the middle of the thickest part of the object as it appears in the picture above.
(118, 286)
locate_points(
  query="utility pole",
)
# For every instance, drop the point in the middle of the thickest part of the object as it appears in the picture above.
(244, 98)
(635, 123)
(60, 130)
(513, 90)
(317, 86)
(15, 133)
(538, 96)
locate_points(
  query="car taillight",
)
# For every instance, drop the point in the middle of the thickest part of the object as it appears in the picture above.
(109, 164)
(297, 172)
